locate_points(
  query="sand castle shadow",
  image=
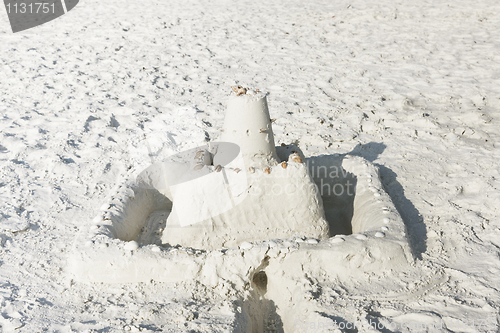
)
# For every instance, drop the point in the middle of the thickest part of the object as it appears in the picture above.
(337, 189)
(259, 313)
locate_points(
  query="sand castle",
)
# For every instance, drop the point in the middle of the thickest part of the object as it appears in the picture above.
(242, 189)
(240, 207)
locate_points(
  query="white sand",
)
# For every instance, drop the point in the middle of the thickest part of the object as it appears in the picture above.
(411, 86)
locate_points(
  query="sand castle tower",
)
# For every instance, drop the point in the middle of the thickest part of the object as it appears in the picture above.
(239, 190)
